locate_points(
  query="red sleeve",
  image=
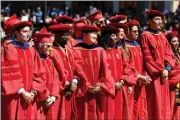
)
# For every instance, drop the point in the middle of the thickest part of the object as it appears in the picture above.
(42, 96)
(38, 83)
(169, 55)
(11, 80)
(152, 63)
(105, 78)
(174, 75)
(56, 84)
(59, 65)
(129, 75)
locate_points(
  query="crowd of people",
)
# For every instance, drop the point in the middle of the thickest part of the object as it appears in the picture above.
(92, 68)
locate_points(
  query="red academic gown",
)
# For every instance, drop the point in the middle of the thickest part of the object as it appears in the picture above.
(157, 56)
(92, 106)
(20, 68)
(174, 79)
(52, 89)
(71, 64)
(140, 101)
(118, 106)
(72, 42)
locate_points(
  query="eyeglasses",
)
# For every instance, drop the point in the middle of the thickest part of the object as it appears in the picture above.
(26, 31)
(135, 31)
(48, 46)
(93, 37)
(100, 22)
(45, 45)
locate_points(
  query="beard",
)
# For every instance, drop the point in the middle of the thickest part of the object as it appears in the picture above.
(62, 42)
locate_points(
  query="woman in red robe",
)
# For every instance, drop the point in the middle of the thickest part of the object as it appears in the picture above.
(22, 74)
(123, 75)
(128, 89)
(174, 76)
(159, 62)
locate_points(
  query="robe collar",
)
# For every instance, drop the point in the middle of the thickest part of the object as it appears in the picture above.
(118, 44)
(19, 44)
(43, 56)
(87, 46)
(153, 31)
(131, 42)
(79, 39)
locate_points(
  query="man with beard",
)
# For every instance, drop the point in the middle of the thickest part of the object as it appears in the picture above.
(64, 19)
(65, 59)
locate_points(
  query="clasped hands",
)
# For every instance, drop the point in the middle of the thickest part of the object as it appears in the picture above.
(71, 87)
(49, 101)
(94, 89)
(145, 79)
(164, 75)
(28, 96)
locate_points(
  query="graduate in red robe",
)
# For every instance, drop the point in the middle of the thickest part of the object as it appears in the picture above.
(64, 19)
(22, 75)
(174, 77)
(128, 89)
(76, 81)
(123, 75)
(140, 102)
(50, 98)
(92, 105)
(159, 62)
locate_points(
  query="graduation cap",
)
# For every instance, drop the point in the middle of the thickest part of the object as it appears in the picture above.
(117, 18)
(60, 28)
(21, 24)
(172, 34)
(133, 23)
(64, 19)
(119, 25)
(43, 33)
(95, 16)
(89, 28)
(9, 23)
(151, 13)
(109, 29)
